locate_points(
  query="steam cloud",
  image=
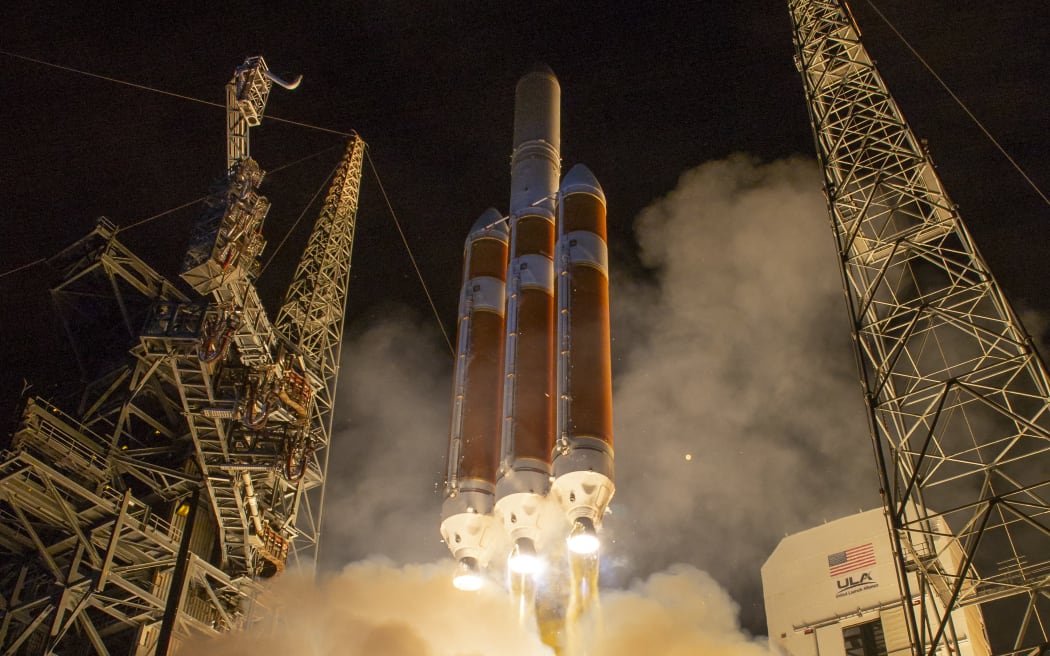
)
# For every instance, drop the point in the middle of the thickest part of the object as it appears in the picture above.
(679, 611)
(743, 362)
(735, 351)
(383, 496)
(375, 608)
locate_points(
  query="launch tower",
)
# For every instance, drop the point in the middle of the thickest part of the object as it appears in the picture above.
(958, 399)
(195, 463)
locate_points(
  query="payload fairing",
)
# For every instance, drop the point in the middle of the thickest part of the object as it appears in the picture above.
(533, 379)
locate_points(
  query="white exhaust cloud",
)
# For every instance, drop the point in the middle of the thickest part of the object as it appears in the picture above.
(377, 608)
(738, 413)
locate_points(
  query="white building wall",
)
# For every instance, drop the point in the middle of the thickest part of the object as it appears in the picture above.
(831, 577)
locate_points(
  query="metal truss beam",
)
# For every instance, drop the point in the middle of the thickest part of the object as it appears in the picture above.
(104, 547)
(312, 319)
(958, 398)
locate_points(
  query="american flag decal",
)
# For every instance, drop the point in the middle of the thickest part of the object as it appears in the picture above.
(851, 559)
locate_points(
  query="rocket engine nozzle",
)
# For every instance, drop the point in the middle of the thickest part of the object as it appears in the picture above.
(468, 576)
(523, 559)
(584, 538)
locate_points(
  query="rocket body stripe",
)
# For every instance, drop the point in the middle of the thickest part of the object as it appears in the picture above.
(488, 294)
(586, 248)
(534, 272)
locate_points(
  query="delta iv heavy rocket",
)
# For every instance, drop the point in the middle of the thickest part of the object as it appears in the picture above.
(532, 398)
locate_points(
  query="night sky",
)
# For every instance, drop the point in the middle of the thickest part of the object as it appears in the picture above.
(647, 94)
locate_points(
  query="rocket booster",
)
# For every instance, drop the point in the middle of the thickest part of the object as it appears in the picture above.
(467, 523)
(528, 369)
(583, 454)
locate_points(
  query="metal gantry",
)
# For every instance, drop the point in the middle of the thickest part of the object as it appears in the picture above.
(98, 512)
(246, 96)
(194, 465)
(311, 321)
(958, 399)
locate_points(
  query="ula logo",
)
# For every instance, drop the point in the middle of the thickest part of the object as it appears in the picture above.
(849, 582)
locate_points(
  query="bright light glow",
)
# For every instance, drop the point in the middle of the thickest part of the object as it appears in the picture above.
(583, 539)
(467, 576)
(584, 543)
(688, 456)
(520, 563)
(468, 581)
(523, 559)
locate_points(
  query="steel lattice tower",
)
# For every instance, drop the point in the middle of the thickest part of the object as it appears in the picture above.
(958, 399)
(312, 316)
(194, 465)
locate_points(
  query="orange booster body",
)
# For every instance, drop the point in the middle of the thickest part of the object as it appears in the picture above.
(467, 523)
(583, 454)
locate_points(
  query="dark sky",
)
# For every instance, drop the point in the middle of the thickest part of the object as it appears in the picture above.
(648, 93)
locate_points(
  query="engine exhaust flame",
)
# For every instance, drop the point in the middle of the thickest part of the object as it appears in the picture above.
(583, 539)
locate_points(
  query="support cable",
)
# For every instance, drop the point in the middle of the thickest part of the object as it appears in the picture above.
(157, 216)
(202, 198)
(191, 203)
(302, 159)
(961, 104)
(324, 184)
(24, 266)
(419, 274)
(506, 217)
(163, 92)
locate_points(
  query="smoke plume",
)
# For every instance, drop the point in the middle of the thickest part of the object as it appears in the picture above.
(386, 467)
(738, 414)
(679, 611)
(375, 608)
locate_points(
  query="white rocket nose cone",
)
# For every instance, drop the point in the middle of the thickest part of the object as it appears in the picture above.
(583, 539)
(491, 222)
(523, 559)
(579, 179)
(467, 577)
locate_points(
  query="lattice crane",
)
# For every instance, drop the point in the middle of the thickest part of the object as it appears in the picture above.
(195, 467)
(285, 402)
(958, 399)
